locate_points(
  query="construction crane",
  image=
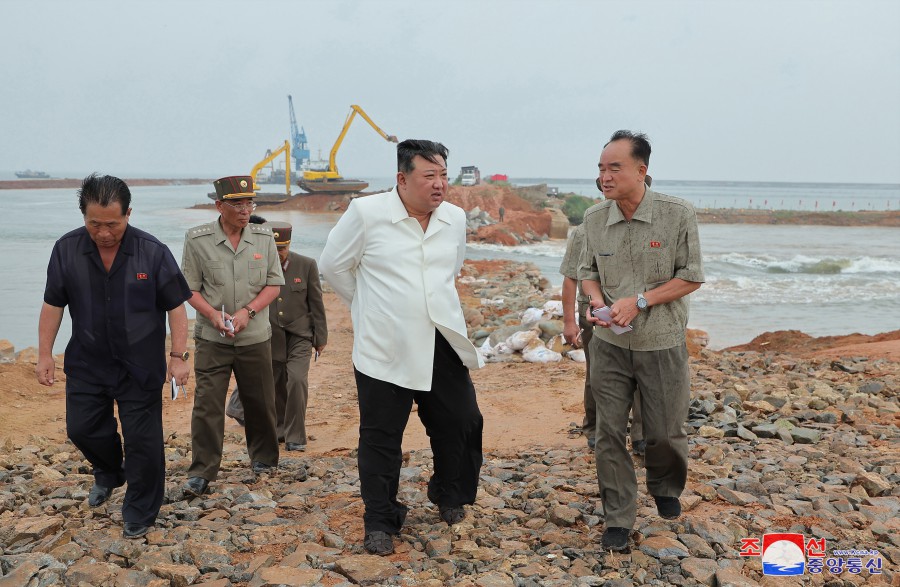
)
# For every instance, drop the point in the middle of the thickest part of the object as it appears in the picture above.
(270, 156)
(298, 137)
(329, 180)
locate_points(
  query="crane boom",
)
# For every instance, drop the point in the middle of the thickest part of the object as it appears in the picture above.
(298, 138)
(286, 149)
(332, 171)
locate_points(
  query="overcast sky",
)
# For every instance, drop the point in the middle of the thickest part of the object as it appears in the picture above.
(761, 90)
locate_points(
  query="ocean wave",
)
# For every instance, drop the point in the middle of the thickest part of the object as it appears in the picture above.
(809, 265)
(554, 248)
(808, 289)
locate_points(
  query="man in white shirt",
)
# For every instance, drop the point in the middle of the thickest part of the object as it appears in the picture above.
(394, 258)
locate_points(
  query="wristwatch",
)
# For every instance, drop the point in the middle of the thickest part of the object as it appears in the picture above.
(641, 302)
(250, 311)
(183, 356)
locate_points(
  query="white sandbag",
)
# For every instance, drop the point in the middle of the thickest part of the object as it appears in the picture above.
(541, 354)
(553, 308)
(519, 340)
(576, 355)
(501, 353)
(532, 315)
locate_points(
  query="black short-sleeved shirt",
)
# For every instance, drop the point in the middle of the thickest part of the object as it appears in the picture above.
(119, 317)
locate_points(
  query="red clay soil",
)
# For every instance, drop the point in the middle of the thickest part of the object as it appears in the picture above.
(796, 342)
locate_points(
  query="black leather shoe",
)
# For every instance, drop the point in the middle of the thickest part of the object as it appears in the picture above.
(98, 495)
(453, 515)
(668, 507)
(134, 530)
(294, 446)
(379, 543)
(260, 468)
(196, 486)
(639, 447)
(615, 539)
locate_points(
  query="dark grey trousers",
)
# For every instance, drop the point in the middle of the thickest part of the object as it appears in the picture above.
(663, 378)
(590, 405)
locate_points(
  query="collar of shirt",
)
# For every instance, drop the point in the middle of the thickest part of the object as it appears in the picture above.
(286, 264)
(644, 211)
(126, 247)
(221, 237)
(399, 212)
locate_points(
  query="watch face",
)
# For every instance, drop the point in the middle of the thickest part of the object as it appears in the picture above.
(642, 303)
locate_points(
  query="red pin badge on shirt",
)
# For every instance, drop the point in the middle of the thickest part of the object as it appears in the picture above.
(257, 256)
(655, 244)
(142, 276)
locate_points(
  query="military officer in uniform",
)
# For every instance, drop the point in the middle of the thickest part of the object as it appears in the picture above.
(298, 326)
(233, 271)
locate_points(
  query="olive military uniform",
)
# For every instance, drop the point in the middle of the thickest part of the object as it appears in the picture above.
(298, 324)
(569, 268)
(232, 278)
(661, 242)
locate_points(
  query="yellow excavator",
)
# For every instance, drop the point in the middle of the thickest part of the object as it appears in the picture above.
(270, 197)
(270, 156)
(329, 181)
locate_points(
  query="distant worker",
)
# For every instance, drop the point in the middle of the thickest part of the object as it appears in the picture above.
(233, 270)
(502, 213)
(299, 328)
(119, 283)
(642, 259)
(394, 258)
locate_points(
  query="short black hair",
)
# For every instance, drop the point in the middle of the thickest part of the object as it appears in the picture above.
(103, 190)
(640, 144)
(254, 219)
(408, 149)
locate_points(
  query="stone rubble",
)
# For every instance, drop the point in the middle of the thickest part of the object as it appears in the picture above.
(776, 444)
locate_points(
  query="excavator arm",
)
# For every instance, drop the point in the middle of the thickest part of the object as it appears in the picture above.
(332, 171)
(286, 149)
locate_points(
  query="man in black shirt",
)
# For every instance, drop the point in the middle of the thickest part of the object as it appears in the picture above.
(119, 283)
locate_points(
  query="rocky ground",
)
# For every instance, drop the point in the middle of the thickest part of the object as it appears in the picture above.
(780, 441)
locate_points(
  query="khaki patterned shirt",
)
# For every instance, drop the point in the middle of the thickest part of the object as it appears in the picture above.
(572, 259)
(229, 277)
(627, 258)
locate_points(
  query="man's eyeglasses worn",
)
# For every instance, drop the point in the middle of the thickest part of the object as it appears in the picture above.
(248, 207)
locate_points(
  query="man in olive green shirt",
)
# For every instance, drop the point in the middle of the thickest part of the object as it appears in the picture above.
(641, 259)
(234, 273)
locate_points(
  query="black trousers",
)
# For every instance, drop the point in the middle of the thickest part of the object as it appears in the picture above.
(91, 425)
(453, 422)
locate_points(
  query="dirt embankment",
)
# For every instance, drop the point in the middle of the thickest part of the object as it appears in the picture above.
(884, 345)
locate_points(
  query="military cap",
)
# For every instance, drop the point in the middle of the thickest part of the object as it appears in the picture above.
(281, 231)
(234, 187)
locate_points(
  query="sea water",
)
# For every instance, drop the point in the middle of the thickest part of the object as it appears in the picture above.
(822, 280)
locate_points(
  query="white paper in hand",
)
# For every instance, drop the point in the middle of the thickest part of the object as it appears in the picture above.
(603, 314)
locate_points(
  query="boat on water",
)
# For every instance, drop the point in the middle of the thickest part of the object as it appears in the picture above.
(262, 198)
(29, 174)
(327, 185)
